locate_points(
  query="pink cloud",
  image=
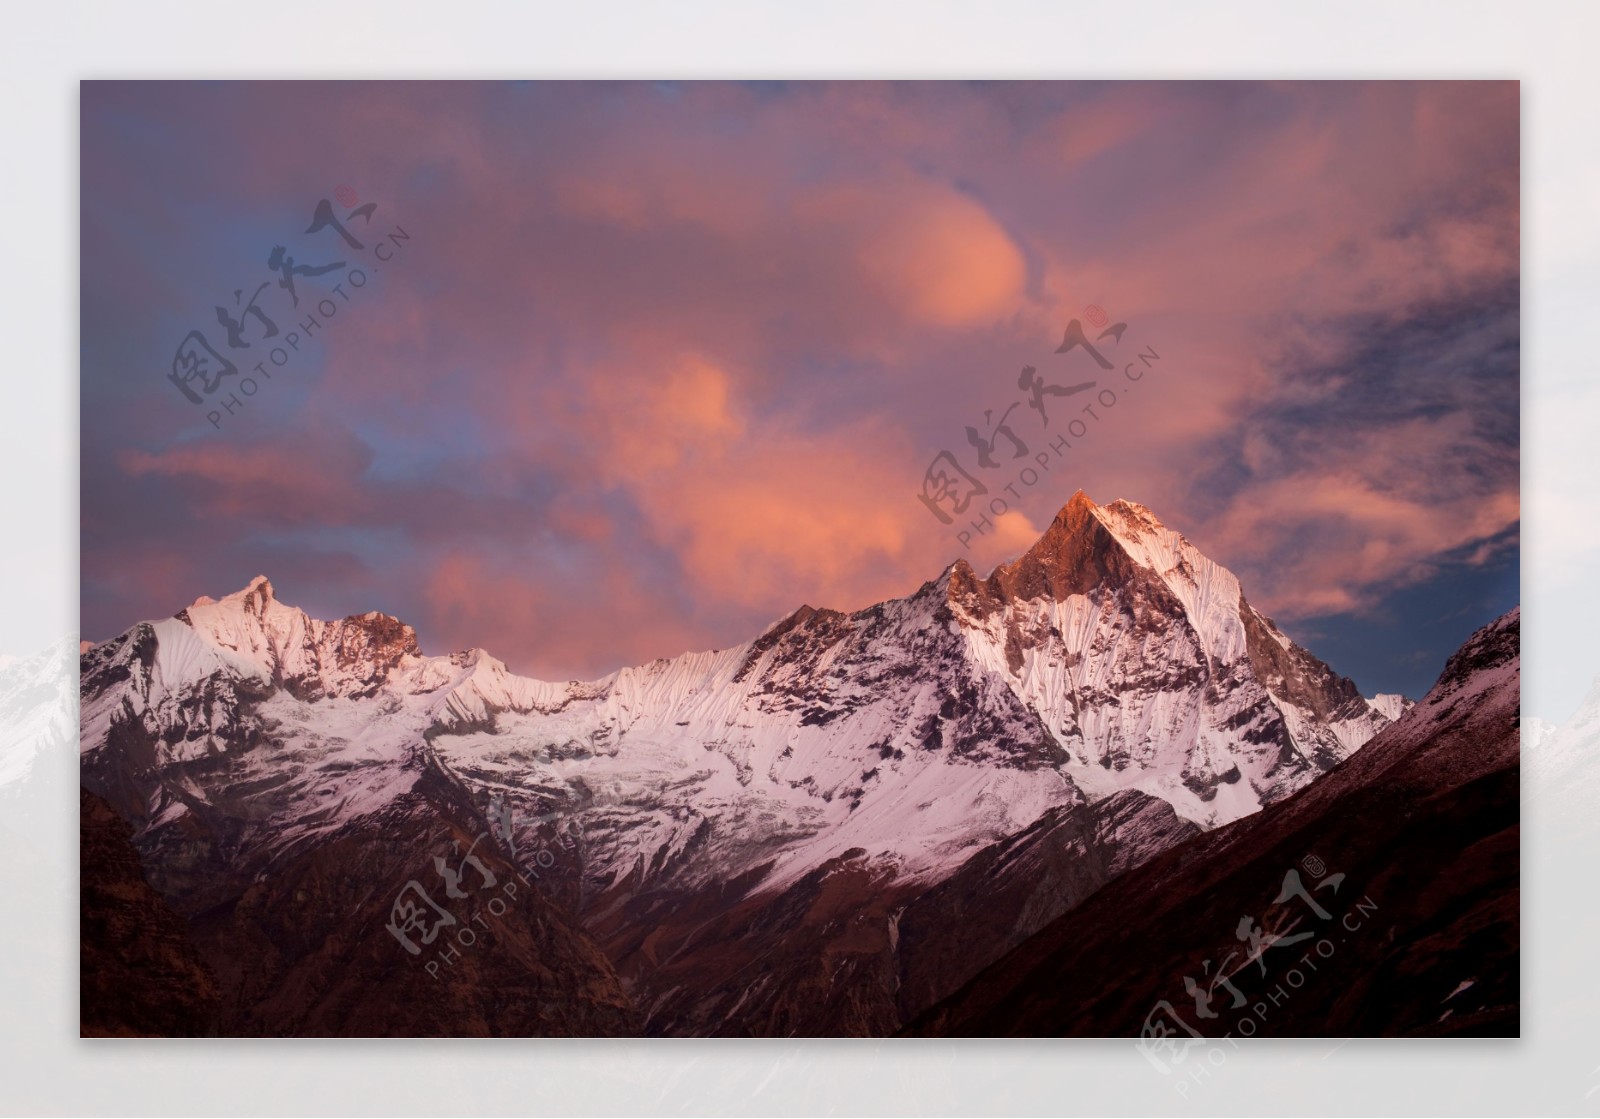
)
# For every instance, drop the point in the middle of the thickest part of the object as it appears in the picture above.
(729, 329)
(295, 481)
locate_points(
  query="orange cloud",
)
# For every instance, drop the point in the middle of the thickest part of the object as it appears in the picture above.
(757, 512)
(542, 629)
(935, 254)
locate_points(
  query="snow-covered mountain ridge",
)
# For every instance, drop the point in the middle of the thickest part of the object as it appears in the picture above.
(1111, 656)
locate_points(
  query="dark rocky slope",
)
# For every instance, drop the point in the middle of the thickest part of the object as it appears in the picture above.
(1422, 932)
(139, 972)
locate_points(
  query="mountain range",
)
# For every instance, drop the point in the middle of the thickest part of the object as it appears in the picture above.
(831, 829)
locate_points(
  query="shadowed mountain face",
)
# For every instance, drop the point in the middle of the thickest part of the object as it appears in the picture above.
(315, 941)
(1380, 901)
(821, 831)
(851, 949)
(139, 972)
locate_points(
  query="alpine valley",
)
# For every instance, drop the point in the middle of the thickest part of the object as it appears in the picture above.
(308, 827)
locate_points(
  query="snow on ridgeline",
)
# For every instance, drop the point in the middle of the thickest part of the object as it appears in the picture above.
(1113, 655)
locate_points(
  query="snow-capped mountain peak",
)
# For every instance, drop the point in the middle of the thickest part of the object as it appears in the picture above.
(352, 655)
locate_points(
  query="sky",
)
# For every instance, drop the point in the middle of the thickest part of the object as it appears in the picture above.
(635, 369)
